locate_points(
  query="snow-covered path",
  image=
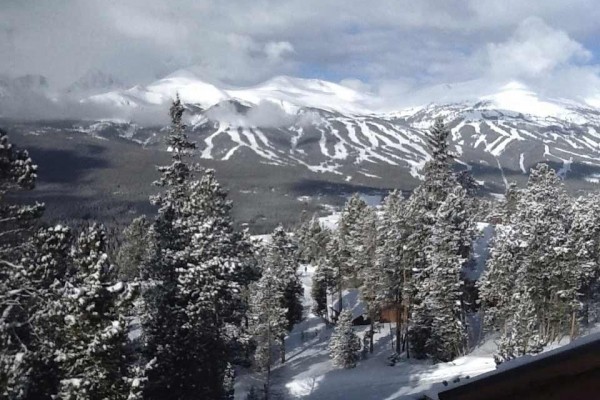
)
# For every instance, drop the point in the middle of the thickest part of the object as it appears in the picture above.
(309, 374)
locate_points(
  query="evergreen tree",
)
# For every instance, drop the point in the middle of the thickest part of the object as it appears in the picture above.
(312, 241)
(280, 257)
(422, 214)
(497, 283)
(530, 291)
(32, 315)
(322, 282)
(269, 319)
(93, 358)
(17, 173)
(334, 264)
(344, 344)
(134, 250)
(369, 273)
(395, 272)
(25, 358)
(351, 238)
(583, 260)
(441, 292)
(521, 335)
(195, 275)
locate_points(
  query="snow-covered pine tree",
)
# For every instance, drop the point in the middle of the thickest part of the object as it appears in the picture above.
(521, 334)
(368, 272)
(31, 316)
(17, 173)
(421, 210)
(344, 344)
(392, 286)
(134, 249)
(441, 292)
(22, 365)
(351, 238)
(497, 283)
(583, 258)
(195, 276)
(280, 257)
(334, 263)
(529, 263)
(312, 242)
(321, 282)
(268, 319)
(93, 355)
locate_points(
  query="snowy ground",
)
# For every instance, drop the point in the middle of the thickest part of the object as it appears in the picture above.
(309, 374)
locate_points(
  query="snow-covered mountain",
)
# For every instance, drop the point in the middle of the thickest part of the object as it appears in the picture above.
(329, 128)
(93, 82)
(290, 93)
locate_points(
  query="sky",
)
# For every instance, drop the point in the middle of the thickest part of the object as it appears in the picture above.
(394, 49)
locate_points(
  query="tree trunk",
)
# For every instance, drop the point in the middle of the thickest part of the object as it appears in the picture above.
(407, 344)
(340, 297)
(573, 326)
(398, 328)
(267, 382)
(372, 334)
(282, 349)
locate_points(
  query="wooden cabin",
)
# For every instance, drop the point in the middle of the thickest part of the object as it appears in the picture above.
(393, 312)
(568, 373)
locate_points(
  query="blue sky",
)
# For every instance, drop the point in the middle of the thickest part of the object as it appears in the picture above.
(391, 48)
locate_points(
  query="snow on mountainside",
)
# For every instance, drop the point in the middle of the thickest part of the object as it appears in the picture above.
(290, 93)
(329, 128)
(92, 82)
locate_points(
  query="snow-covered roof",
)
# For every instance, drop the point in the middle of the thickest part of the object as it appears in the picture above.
(351, 300)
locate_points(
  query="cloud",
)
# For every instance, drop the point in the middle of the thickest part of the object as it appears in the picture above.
(393, 47)
(535, 48)
(265, 114)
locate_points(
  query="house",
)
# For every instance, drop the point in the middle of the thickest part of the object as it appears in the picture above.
(350, 301)
(393, 313)
(569, 372)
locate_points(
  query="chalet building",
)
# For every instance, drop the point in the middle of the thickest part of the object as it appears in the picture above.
(568, 373)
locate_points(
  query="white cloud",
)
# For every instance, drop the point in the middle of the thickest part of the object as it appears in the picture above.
(534, 49)
(394, 47)
(275, 51)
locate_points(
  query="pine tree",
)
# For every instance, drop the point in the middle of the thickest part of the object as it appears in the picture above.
(17, 173)
(31, 316)
(312, 241)
(93, 355)
(134, 250)
(530, 291)
(269, 319)
(351, 238)
(422, 213)
(583, 260)
(25, 360)
(280, 257)
(441, 292)
(521, 335)
(334, 264)
(392, 285)
(195, 278)
(344, 344)
(369, 273)
(322, 281)
(497, 283)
